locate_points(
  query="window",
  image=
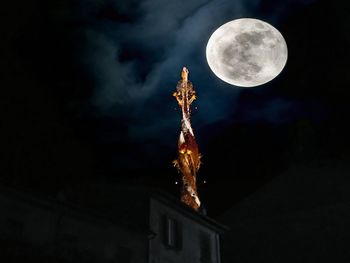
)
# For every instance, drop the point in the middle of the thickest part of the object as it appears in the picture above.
(67, 245)
(67, 240)
(172, 233)
(123, 254)
(13, 229)
(205, 248)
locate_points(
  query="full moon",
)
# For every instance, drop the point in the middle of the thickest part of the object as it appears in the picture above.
(246, 52)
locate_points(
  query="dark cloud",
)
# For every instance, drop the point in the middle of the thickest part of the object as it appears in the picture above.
(133, 52)
(163, 38)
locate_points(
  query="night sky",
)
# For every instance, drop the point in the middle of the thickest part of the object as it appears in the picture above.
(87, 95)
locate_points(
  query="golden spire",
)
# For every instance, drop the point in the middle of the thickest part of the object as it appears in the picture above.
(188, 160)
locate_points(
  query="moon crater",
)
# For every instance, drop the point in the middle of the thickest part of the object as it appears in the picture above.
(246, 52)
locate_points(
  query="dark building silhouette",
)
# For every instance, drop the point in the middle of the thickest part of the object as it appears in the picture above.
(300, 216)
(112, 224)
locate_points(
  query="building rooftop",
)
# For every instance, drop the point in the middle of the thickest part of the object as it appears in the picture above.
(123, 204)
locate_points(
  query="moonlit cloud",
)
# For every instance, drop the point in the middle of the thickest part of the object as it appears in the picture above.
(134, 52)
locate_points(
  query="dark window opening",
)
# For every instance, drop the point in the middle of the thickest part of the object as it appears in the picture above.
(12, 229)
(123, 254)
(67, 246)
(205, 248)
(172, 233)
(67, 240)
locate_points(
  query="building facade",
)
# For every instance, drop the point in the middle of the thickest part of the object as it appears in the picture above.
(33, 229)
(181, 235)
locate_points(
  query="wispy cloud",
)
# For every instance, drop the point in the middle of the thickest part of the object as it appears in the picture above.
(134, 52)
